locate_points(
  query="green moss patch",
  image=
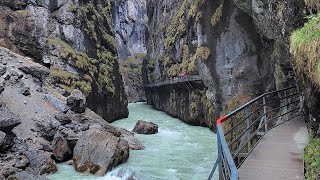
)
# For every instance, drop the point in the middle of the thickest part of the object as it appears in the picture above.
(305, 46)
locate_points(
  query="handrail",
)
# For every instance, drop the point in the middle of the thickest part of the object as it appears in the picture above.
(235, 145)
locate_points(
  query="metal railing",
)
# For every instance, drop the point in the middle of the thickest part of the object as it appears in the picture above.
(241, 130)
(175, 80)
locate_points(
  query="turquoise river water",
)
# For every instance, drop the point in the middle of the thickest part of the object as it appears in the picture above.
(177, 152)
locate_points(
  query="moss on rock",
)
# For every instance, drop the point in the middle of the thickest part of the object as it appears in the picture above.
(305, 47)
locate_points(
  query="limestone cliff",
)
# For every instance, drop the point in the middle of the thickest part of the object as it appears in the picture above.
(245, 46)
(131, 30)
(76, 40)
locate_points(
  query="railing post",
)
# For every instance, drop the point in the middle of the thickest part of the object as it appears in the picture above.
(265, 115)
(286, 107)
(248, 134)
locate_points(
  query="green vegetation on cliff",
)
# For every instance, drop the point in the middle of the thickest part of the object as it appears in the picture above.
(96, 65)
(311, 158)
(188, 10)
(305, 45)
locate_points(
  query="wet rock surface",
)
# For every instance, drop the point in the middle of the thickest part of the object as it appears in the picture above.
(97, 152)
(134, 144)
(143, 127)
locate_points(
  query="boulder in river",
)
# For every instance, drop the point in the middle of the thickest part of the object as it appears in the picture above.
(134, 144)
(60, 148)
(143, 127)
(77, 101)
(97, 152)
(41, 162)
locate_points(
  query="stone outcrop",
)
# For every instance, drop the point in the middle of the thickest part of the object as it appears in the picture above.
(97, 152)
(60, 149)
(6, 141)
(77, 101)
(36, 130)
(143, 127)
(79, 50)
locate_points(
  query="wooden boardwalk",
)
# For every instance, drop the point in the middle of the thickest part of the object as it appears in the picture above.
(279, 155)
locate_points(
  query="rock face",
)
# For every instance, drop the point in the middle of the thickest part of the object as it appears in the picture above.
(143, 127)
(130, 24)
(97, 152)
(79, 50)
(77, 101)
(39, 129)
(246, 44)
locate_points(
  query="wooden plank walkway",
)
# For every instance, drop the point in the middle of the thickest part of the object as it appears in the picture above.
(279, 155)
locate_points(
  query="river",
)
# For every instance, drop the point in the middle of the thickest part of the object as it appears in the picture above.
(177, 152)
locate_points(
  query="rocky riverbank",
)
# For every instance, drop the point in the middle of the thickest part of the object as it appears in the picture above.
(39, 127)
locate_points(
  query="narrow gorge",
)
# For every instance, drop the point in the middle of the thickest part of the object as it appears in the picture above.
(76, 71)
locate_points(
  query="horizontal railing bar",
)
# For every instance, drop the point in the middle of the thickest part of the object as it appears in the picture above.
(256, 110)
(277, 100)
(252, 135)
(238, 124)
(269, 120)
(254, 100)
(281, 107)
(244, 120)
(243, 132)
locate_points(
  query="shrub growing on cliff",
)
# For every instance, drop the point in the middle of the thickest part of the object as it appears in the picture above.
(305, 46)
(217, 15)
(311, 157)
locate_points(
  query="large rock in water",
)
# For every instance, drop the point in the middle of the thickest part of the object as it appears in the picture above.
(77, 101)
(60, 148)
(41, 162)
(134, 144)
(97, 152)
(143, 127)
